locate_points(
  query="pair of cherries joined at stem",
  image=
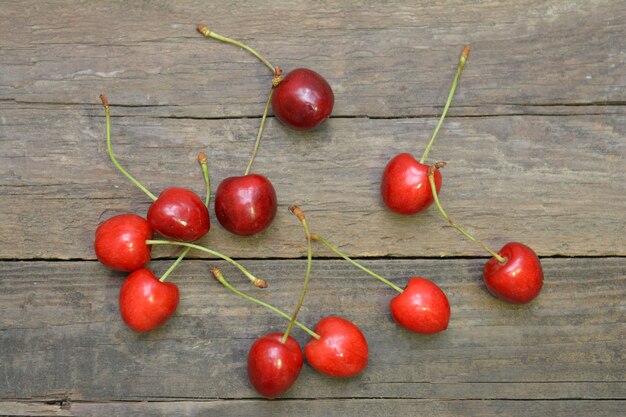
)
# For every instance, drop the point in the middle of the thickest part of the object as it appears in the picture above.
(302, 100)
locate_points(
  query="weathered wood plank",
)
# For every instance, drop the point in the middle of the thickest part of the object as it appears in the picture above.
(389, 61)
(556, 183)
(61, 336)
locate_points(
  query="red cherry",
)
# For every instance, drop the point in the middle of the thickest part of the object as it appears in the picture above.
(145, 302)
(422, 307)
(179, 214)
(405, 187)
(245, 205)
(120, 242)
(273, 367)
(341, 351)
(519, 279)
(303, 99)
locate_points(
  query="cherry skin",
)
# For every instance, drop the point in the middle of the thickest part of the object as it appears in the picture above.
(341, 351)
(145, 302)
(245, 205)
(120, 242)
(405, 187)
(519, 279)
(273, 367)
(179, 214)
(303, 99)
(422, 307)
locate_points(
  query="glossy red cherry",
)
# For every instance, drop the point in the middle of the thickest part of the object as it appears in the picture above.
(405, 187)
(519, 279)
(273, 367)
(120, 242)
(179, 214)
(422, 307)
(245, 205)
(303, 99)
(145, 302)
(341, 350)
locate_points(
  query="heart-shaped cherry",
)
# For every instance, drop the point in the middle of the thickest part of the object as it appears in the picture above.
(514, 274)
(302, 100)
(341, 351)
(120, 242)
(145, 302)
(519, 278)
(177, 213)
(274, 366)
(405, 188)
(422, 307)
(245, 205)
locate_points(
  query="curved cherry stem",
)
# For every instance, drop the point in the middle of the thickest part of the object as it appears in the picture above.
(309, 256)
(209, 34)
(260, 133)
(317, 237)
(247, 273)
(462, 60)
(431, 179)
(175, 264)
(204, 164)
(107, 113)
(220, 277)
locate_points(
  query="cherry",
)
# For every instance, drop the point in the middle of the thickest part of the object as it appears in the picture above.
(514, 274)
(246, 204)
(274, 365)
(177, 213)
(120, 242)
(145, 302)
(519, 279)
(303, 99)
(341, 351)
(405, 188)
(422, 307)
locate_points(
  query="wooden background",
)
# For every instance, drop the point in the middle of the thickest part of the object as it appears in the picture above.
(535, 144)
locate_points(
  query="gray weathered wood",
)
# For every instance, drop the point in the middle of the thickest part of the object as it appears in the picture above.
(61, 336)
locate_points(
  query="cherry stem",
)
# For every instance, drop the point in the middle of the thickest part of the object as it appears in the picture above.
(208, 34)
(256, 281)
(462, 59)
(317, 237)
(204, 164)
(431, 179)
(175, 264)
(107, 113)
(309, 256)
(220, 277)
(260, 133)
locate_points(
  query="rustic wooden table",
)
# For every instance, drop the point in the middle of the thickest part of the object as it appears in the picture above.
(535, 144)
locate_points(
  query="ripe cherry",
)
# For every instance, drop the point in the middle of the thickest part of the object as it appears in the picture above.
(422, 307)
(519, 278)
(405, 188)
(145, 302)
(274, 366)
(341, 351)
(120, 242)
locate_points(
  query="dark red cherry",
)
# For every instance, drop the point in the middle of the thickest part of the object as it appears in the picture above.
(422, 307)
(405, 188)
(179, 214)
(145, 302)
(120, 242)
(303, 99)
(273, 367)
(245, 205)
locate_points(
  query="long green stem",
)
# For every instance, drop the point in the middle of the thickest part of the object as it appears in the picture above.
(175, 264)
(309, 256)
(247, 273)
(317, 237)
(431, 179)
(218, 275)
(208, 34)
(204, 164)
(107, 113)
(462, 60)
(260, 133)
